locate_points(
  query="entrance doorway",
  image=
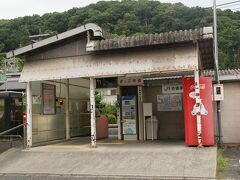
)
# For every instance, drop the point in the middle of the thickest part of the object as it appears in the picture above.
(169, 116)
(166, 118)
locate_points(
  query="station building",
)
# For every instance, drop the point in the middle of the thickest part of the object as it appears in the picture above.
(61, 73)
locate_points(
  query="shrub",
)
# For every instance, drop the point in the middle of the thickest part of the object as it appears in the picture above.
(111, 119)
(106, 109)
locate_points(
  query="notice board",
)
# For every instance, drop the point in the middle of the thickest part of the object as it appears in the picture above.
(169, 102)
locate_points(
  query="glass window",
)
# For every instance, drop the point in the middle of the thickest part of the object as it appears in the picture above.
(113, 92)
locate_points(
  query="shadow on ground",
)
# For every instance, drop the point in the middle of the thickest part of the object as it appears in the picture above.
(5, 145)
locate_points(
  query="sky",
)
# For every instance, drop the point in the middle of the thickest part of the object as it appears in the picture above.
(10, 9)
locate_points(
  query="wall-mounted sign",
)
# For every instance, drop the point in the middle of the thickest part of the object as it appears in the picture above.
(169, 102)
(130, 81)
(129, 127)
(172, 88)
(36, 99)
(49, 99)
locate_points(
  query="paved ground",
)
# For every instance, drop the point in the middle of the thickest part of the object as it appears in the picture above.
(112, 158)
(233, 170)
(5, 145)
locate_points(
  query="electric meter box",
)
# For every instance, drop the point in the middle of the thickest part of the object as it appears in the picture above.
(218, 94)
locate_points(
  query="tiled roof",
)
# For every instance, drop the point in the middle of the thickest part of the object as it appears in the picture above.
(152, 39)
(224, 75)
(225, 72)
(13, 86)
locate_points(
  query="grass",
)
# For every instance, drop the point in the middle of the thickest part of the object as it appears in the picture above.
(222, 163)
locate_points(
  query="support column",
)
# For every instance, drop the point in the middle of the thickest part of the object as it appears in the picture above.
(29, 114)
(141, 130)
(67, 111)
(119, 113)
(198, 106)
(93, 117)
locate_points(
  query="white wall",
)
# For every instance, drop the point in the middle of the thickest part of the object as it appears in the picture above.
(230, 112)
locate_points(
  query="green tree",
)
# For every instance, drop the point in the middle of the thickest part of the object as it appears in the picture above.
(106, 109)
(126, 18)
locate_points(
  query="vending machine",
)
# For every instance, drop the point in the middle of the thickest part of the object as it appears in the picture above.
(129, 117)
(206, 111)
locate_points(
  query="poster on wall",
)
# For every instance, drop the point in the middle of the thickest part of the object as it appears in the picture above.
(169, 102)
(129, 127)
(49, 98)
(36, 99)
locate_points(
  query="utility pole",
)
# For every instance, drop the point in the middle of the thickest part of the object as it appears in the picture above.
(217, 71)
(5, 69)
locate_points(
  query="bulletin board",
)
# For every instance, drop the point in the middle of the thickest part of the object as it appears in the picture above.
(169, 102)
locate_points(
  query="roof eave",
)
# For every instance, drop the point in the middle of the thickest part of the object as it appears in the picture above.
(97, 32)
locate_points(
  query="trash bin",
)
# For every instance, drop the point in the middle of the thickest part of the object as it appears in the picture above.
(151, 125)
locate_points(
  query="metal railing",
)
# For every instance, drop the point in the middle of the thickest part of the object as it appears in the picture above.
(3, 134)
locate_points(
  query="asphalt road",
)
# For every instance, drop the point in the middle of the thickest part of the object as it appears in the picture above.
(233, 155)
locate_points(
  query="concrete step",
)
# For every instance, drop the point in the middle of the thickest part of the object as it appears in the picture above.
(84, 177)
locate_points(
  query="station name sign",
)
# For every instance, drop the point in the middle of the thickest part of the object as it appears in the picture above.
(130, 81)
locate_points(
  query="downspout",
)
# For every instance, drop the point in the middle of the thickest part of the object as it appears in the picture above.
(217, 74)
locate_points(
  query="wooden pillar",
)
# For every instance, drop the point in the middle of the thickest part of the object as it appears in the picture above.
(119, 113)
(67, 111)
(93, 117)
(29, 114)
(141, 130)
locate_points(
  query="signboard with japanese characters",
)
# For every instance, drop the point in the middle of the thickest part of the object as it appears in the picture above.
(130, 81)
(172, 88)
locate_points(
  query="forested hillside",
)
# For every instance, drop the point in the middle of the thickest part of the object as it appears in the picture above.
(126, 18)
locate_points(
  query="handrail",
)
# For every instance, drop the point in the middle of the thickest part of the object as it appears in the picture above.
(12, 129)
(11, 136)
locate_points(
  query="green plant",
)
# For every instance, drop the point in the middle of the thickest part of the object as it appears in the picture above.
(222, 163)
(112, 119)
(127, 18)
(98, 102)
(106, 109)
